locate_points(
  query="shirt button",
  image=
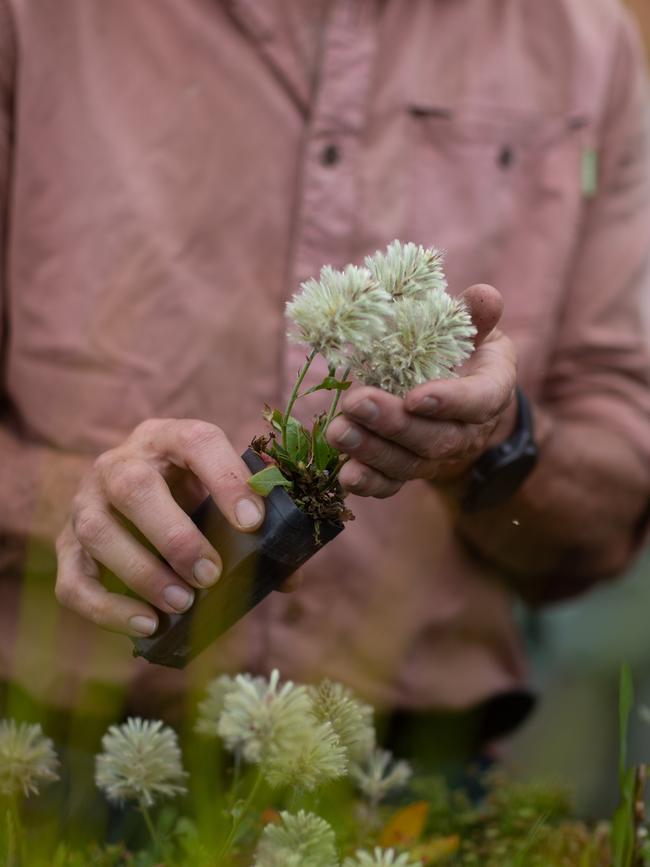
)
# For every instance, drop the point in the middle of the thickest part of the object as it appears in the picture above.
(330, 155)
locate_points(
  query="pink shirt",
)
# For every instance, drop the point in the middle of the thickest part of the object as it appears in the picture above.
(170, 173)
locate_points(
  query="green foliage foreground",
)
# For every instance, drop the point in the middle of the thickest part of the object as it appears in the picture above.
(291, 776)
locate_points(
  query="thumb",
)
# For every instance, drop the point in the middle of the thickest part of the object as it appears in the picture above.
(485, 305)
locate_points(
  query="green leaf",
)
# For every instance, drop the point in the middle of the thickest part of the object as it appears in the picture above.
(267, 479)
(625, 703)
(297, 441)
(323, 453)
(273, 417)
(330, 383)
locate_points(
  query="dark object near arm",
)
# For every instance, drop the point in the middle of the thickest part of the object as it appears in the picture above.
(254, 564)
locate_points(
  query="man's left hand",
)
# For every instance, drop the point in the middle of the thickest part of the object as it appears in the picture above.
(441, 427)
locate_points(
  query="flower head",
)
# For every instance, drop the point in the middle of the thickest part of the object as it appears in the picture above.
(407, 270)
(341, 308)
(211, 708)
(259, 713)
(27, 759)
(426, 339)
(381, 858)
(141, 760)
(379, 775)
(307, 757)
(351, 719)
(302, 840)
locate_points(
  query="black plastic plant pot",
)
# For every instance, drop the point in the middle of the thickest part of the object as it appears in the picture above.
(254, 564)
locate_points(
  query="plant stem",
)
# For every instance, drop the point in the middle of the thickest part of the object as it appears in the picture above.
(148, 822)
(335, 401)
(237, 820)
(294, 394)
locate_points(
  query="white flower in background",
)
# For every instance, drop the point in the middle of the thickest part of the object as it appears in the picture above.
(341, 308)
(351, 719)
(408, 270)
(307, 757)
(211, 708)
(381, 858)
(258, 714)
(141, 761)
(426, 340)
(27, 759)
(379, 775)
(302, 840)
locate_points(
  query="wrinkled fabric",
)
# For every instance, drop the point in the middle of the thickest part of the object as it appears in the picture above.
(167, 177)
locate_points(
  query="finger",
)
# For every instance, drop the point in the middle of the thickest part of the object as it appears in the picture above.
(485, 306)
(78, 588)
(204, 450)
(140, 493)
(375, 452)
(477, 397)
(387, 416)
(357, 478)
(110, 543)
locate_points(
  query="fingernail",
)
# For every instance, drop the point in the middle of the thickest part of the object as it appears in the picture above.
(367, 410)
(206, 572)
(180, 598)
(427, 405)
(248, 513)
(350, 438)
(141, 625)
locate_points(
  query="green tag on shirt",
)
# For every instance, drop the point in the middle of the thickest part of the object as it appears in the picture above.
(589, 172)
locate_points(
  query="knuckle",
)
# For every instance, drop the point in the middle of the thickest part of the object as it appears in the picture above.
(396, 426)
(447, 444)
(147, 428)
(183, 543)
(89, 525)
(127, 480)
(95, 609)
(195, 434)
(64, 590)
(104, 462)
(389, 489)
(412, 468)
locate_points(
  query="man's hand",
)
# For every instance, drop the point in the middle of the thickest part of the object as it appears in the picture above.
(441, 427)
(158, 475)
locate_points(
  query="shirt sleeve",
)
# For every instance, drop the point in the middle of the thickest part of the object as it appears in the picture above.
(600, 369)
(36, 483)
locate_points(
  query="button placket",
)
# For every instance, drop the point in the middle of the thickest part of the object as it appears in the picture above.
(328, 202)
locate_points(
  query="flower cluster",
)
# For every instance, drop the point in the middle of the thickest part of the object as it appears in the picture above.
(27, 759)
(381, 858)
(391, 324)
(298, 736)
(306, 840)
(379, 775)
(141, 761)
(302, 840)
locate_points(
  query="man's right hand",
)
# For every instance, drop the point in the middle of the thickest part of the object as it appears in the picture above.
(162, 472)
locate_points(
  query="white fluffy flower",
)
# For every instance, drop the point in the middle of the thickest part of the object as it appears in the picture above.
(427, 338)
(141, 761)
(27, 759)
(211, 708)
(408, 270)
(351, 719)
(302, 840)
(341, 308)
(381, 858)
(307, 757)
(379, 775)
(258, 714)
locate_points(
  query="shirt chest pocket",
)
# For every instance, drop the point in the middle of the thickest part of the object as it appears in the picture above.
(502, 192)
